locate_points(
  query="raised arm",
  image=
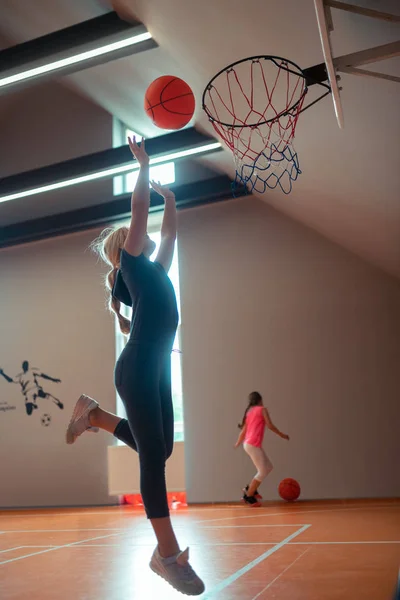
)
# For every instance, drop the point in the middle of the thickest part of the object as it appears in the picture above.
(140, 201)
(44, 376)
(6, 377)
(272, 427)
(168, 228)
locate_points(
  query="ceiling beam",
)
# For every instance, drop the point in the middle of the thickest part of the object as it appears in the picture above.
(365, 73)
(366, 12)
(188, 195)
(368, 56)
(72, 49)
(104, 164)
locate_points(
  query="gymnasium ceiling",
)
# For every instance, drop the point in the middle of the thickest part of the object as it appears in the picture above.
(350, 187)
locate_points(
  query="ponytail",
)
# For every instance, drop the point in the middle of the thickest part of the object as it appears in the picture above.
(108, 246)
(115, 304)
(255, 399)
(242, 424)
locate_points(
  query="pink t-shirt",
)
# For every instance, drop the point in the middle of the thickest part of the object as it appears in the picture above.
(255, 426)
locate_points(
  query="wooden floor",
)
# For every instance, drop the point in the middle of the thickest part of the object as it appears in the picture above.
(304, 551)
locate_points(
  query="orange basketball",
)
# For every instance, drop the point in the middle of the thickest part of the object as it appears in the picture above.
(169, 102)
(289, 489)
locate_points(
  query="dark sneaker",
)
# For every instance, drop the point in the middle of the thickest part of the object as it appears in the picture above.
(251, 501)
(256, 494)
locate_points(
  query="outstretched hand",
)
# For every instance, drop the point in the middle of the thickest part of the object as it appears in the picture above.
(139, 151)
(163, 190)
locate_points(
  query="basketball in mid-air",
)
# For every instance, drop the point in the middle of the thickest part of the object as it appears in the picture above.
(289, 489)
(169, 102)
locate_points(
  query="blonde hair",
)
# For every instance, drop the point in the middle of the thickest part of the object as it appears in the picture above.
(108, 246)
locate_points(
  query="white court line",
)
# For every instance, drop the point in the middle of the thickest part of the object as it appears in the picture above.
(232, 578)
(212, 544)
(115, 511)
(10, 549)
(247, 526)
(280, 574)
(57, 548)
(295, 512)
(334, 543)
(40, 546)
(177, 527)
(60, 530)
(38, 512)
(192, 545)
(6, 514)
(36, 546)
(197, 507)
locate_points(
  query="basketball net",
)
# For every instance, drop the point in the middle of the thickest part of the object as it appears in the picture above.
(254, 106)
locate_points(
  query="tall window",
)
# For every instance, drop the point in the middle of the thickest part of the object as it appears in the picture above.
(124, 184)
(121, 339)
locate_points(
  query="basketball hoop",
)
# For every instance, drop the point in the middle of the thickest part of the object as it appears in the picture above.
(254, 105)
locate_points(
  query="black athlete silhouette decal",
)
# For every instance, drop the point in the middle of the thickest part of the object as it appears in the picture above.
(31, 388)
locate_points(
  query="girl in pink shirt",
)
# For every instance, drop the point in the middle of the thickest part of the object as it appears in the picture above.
(255, 419)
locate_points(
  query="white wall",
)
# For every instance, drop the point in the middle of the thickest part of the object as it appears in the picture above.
(53, 315)
(269, 305)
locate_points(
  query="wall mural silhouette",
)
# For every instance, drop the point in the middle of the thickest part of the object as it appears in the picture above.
(30, 380)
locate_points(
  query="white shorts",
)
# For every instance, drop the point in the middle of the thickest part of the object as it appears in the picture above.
(260, 461)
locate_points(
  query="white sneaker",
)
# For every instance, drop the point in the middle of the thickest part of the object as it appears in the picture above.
(177, 571)
(80, 419)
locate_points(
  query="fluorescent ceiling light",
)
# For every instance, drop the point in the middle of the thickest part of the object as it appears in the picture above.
(110, 172)
(72, 60)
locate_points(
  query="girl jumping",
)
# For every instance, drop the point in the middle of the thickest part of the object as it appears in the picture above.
(255, 419)
(143, 370)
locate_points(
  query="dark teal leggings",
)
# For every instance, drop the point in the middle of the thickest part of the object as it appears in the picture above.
(143, 381)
